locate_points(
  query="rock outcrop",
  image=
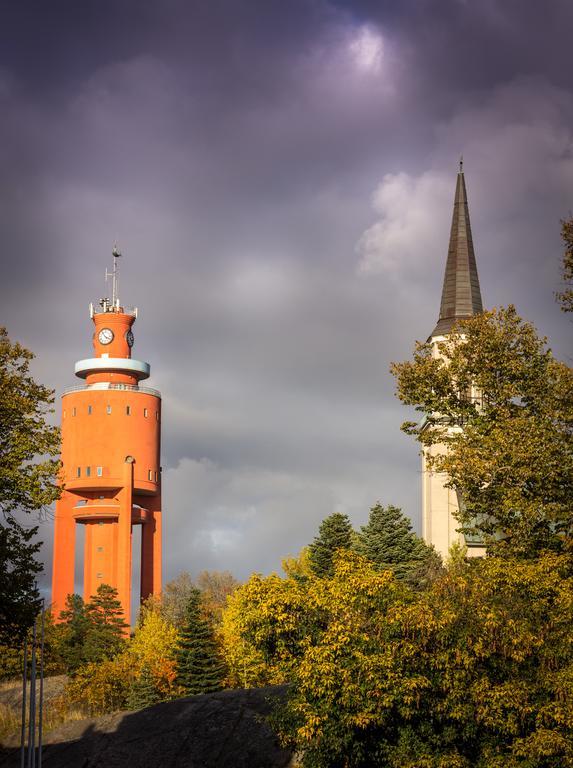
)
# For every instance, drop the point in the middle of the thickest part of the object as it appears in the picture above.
(227, 729)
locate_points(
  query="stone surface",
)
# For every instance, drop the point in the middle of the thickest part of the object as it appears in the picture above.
(227, 729)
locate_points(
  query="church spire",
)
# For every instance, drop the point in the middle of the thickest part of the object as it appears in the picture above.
(461, 296)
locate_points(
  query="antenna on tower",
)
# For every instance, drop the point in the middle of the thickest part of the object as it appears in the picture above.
(114, 274)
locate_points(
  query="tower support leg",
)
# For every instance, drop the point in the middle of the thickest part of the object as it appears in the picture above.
(125, 497)
(64, 553)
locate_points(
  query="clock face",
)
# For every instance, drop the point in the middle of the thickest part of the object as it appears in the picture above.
(105, 336)
(129, 338)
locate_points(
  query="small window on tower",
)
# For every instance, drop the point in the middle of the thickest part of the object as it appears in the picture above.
(156, 415)
(108, 409)
(100, 549)
(128, 410)
(155, 476)
(79, 472)
(144, 412)
(150, 475)
(99, 575)
(99, 471)
(73, 411)
(64, 413)
(88, 471)
(89, 410)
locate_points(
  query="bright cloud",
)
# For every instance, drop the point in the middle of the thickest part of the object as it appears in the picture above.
(367, 50)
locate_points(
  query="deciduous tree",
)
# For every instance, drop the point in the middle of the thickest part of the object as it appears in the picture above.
(28, 483)
(510, 452)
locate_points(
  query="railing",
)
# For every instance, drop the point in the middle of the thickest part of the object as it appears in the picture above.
(122, 387)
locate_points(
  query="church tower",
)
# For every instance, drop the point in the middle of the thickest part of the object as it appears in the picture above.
(111, 429)
(461, 298)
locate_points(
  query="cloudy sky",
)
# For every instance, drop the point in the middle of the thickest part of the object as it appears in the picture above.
(280, 178)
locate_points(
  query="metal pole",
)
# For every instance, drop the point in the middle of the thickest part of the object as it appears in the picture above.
(41, 708)
(32, 717)
(24, 688)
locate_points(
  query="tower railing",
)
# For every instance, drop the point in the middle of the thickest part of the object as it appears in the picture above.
(104, 387)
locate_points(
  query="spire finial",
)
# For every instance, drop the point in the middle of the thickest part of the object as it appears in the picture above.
(461, 163)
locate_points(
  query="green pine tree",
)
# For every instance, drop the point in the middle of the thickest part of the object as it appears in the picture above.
(73, 629)
(389, 541)
(107, 628)
(199, 667)
(335, 532)
(144, 692)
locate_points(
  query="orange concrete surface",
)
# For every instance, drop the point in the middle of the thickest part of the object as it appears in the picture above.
(111, 442)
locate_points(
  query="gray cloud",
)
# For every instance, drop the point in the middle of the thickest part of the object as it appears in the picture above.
(280, 179)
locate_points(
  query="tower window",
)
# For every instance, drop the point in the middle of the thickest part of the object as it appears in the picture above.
(127, 410)
(88, 471)
(108, 409)
(64, 413)
(156, 415)
(99, 575)
(100, 549)
(99, 471)
(89, 410)
(144, 412)
(79, 472)
(150, 475)
(156, 476)
(73, 411)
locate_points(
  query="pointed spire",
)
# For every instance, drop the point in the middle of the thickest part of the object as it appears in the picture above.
(461, 296)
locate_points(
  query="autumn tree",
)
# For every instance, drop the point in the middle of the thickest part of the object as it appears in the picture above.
(28, 483)
(565, 297)
(335, 533)
(215, 587)
(473, 672)
(199, 666)
(388, 541)
(508, 450)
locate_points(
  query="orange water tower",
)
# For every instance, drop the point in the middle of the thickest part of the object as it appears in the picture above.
(111, 435)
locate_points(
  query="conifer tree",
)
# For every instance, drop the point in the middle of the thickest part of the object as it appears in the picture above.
(335, 533)
(106, 634)
(199, 667)
(144, 691)
(389, 542)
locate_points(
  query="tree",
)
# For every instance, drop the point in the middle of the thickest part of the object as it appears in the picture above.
(74, 629)
(107, 627)
(199, 668)
(565, 297)
(388, 541)
(144, 691)
(27, 484)
(508, 449)
(19, 596)
(172, 603)
(474, 672)
(335, 533)
(215, 587)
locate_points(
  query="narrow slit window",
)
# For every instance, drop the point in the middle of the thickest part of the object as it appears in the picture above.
(73, 411)
(89, 410)
(88, 471)
(128, 410)
(79, 472)
(145, 412)
(156, 415)
(100, 549)
(99, 471)
(150, 474)
(108, 410)
(155, 476)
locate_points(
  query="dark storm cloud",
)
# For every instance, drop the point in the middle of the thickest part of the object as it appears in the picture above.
(280, 178)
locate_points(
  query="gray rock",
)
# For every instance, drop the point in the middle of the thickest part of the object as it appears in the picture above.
(227, 729)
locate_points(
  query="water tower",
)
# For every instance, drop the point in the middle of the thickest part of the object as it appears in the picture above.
(111, 437)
